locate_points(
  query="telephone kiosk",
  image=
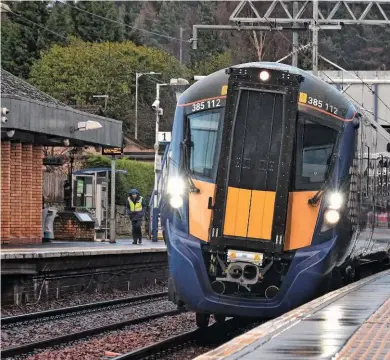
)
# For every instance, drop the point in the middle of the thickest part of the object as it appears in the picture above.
(90, 191)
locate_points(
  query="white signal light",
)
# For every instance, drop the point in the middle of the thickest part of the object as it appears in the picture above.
(264, 75)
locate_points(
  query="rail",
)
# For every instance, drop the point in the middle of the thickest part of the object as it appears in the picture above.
(215, 334)
(27, 348)
(75, 309)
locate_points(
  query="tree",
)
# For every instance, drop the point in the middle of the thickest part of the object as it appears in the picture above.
(89, 27)
(23, 37)
(74, 73)
(213, 63)
(209, 42)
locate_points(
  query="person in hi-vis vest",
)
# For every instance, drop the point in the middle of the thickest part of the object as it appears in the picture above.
(135, 206)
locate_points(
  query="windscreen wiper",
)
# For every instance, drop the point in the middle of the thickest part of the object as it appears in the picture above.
(313, 201)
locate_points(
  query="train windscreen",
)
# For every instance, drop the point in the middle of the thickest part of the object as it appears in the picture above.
(315, 146)
(203, 130)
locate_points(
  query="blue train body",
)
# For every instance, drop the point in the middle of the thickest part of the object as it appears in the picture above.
(251, 226)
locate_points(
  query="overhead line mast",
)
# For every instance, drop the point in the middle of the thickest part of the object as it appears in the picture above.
(294, 17)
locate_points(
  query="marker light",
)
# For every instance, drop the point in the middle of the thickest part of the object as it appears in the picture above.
(175, 186)
(264, 75)
(332, 217)
(335, 201)
(176, 201)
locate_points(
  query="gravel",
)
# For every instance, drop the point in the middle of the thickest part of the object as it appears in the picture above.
(80, 298)
(32, 331)
(120, 341)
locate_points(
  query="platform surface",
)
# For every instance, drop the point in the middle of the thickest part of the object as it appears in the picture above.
(79, 248)
(350, 323)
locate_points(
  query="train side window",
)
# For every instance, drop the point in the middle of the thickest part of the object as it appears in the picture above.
(366, 174)
(388, 176)
(203, 131)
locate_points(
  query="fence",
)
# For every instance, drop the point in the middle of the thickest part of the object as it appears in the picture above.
(53, 186)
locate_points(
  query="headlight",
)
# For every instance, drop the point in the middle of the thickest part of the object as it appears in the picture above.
(176, 201)
(175, 186)
(335, 201)
(332, 217)
(264, 75)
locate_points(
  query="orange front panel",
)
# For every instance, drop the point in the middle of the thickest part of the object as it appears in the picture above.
(242, 216)
(268, 217)
(255, 227)
(301, 220)
(261, 215)
(229, 227)
(237, 212)
(199, 215)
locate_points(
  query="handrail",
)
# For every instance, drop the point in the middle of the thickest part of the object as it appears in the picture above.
(151, 201)
(159, 177)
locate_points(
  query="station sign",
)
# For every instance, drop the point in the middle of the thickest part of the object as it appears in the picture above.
(164, 136)
(112, 151)
(53, 161)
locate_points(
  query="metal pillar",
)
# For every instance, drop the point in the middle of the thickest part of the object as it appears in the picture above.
(137, 75)
(181, 46)
(112, 212)
(156, 147)
(295, 37)
(315, 37)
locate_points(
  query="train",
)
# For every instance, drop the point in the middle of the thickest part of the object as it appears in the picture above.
(274, 182)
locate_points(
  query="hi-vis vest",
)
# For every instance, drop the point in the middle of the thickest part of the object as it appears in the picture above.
(135, 206)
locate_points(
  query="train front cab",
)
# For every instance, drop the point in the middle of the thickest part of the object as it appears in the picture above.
(254, 236)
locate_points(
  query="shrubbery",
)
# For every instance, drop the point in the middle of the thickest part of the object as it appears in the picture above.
(140, 175)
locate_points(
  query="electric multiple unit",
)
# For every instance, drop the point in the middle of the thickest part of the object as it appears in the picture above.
(273, 180)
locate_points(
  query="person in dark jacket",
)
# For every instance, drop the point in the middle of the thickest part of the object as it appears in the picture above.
(135, 206)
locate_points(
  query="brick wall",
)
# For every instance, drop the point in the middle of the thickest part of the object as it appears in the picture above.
(5, 191)
(67, 227)
(21, 193)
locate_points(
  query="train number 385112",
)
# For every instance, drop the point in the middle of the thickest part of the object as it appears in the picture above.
(323, 105)
(209, 104)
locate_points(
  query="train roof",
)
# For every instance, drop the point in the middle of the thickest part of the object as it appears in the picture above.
(210, 86)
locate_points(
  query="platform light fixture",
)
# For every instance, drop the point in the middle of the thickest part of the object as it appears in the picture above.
(87, 125)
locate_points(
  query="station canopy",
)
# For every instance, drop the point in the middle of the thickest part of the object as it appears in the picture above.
(36, 117)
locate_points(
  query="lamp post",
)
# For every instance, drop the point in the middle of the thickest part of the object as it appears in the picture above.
(137, 76)
(159, 111)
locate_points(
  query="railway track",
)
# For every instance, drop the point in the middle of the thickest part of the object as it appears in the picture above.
(47, 343)
(213, 336)
(79, 309)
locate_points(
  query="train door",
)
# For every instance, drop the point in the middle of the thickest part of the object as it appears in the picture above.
(255, 164)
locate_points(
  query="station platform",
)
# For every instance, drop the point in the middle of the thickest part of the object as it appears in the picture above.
(79, 248)
(51, 270)
(350, 323)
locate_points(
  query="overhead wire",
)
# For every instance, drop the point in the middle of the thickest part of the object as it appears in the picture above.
(355, 72)
(332, 81)
(39, 25)
(124, 24)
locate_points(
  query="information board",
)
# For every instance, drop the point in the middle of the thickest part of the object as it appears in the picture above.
(112, 151)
